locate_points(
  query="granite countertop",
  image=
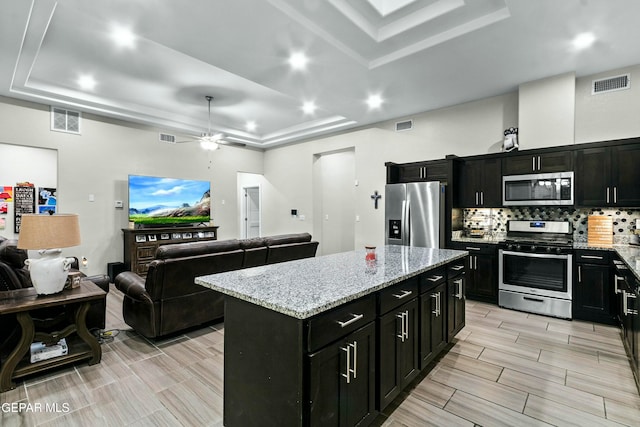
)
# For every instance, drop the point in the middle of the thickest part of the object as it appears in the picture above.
(492, 240)
(309, 286)
(630, 255)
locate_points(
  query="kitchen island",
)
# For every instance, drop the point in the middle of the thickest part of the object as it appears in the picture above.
(334, 339)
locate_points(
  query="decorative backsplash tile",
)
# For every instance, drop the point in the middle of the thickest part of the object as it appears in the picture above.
(494, 220)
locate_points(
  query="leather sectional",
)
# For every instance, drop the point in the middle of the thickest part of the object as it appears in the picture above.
(168, 301)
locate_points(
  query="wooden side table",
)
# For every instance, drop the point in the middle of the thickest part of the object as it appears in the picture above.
(81, 344)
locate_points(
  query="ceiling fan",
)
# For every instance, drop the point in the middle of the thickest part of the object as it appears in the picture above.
(212, 140)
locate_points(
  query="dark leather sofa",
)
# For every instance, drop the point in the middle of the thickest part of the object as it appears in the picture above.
(169, 301)
(14, 275)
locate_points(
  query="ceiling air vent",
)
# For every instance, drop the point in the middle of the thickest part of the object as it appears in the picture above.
(65, 120)
(169, 139)
(406, 125)
(611, 84)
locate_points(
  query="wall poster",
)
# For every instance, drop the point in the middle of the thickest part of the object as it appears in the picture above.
(47, 200)
(24, 199)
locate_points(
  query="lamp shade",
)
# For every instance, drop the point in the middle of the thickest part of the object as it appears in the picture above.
(49, 231)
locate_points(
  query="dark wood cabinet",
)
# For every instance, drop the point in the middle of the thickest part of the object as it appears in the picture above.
(608, 176)
(542, 162)
(593, 294)
(481, 273)
(342, 381)
(398, 357)
(478, 183)
(456, 298)
(433, 324)
(433, 170)
(140, 244)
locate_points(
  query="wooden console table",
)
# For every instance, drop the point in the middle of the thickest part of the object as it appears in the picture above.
(15, 362)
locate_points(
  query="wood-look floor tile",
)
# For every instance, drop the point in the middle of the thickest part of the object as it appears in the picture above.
(525, 324)
(624, 414)
(546, 335)
(475, 310)
(613, 358)
(485, 413)
(87, 416)
(558, 347)
(503, 344)
(211, 372)
(134, 349)
(473, 366)
(433, 392)
(581, 400)
(415, 412)
(193, 403)
(478, 321)
(606, 341)
(185, 351)
(502, 334)
(162, 418)
(496, 312)
(160, 372)
(525, 366)
(558, 414)
(596, 345)
(489, 390)
(467, 348)
(17, 394)
(110, 369)
(66, 389)
(603, 387)
(17, 419)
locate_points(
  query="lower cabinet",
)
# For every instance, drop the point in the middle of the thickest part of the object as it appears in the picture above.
(593, 294)
(343, 380)
(482, 268)
(433, 324)
(455, 300)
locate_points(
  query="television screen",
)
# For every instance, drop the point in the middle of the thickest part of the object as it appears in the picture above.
(159, 201)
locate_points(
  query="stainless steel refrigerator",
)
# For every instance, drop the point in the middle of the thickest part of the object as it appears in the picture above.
(414, 214)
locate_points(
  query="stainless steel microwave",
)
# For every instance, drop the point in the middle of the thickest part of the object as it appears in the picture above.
(542, 189)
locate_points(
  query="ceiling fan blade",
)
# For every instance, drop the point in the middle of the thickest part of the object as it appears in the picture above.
(230, 143)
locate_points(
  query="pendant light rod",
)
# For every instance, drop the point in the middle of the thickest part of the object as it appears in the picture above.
(209, 98)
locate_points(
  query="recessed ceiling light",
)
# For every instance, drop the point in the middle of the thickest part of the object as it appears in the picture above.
(374, 101)
(584, 40)
(298, 61)
(86, 82)
(250, 126)
(123, 37)
(309, 107)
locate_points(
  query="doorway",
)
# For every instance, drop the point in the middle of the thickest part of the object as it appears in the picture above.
(251, 226)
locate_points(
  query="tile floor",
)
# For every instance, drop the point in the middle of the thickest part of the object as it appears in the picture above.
(505, 368)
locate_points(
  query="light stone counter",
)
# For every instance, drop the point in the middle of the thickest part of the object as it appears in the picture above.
(307, 287)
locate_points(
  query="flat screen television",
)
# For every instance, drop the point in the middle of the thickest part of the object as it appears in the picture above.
(158, 201)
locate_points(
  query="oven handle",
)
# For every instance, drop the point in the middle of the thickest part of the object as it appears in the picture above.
(530, 255)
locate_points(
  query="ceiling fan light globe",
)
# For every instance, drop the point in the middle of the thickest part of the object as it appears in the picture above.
(209, 145)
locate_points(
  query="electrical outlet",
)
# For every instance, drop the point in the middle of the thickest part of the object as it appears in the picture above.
(119, 204)
(85, 261)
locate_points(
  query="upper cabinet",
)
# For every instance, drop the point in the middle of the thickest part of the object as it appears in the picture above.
(478, 183)
(547, 162)
(608, 176)
(434, 170)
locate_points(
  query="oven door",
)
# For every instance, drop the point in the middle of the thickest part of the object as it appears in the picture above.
(548, 189)
(535, 274)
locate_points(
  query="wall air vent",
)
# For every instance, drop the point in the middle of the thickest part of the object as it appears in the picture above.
(65, 120)
(406, 125)
(611, 84)
(168, 138)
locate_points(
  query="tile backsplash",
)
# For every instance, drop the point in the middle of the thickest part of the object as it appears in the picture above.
(494, 221)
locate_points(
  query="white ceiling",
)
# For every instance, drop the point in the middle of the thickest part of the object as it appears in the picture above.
(418, 55)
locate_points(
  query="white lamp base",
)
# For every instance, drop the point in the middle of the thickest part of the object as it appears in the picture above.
(49, 273)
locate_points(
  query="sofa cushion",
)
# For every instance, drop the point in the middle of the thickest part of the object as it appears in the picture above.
(10, 254)
(256, 242)
(181, 250)
(285, 239)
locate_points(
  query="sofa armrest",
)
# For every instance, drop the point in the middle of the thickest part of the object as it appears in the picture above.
(132, 285)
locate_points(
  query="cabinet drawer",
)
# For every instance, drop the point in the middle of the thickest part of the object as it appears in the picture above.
(457, 267)
(334, 324)
(432, 278)
(592, 257)
(146, 252)
(396, 295)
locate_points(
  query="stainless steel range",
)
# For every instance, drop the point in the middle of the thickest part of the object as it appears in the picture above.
(535, 267)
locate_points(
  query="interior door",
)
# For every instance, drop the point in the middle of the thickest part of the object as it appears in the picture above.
(251, 212)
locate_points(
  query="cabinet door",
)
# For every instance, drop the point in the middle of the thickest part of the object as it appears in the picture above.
(592, 293)
(560, 161)
(334, 399)
(467, 186)
(593, 177)
(519, 165)
(485, 282)
(433, 335)
(625, 165)
(412, 173)
(491, 179)
(455, 306)
(398, 357)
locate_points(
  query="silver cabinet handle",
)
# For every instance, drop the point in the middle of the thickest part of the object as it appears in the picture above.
(624, 302)
(403, 294)
(347, 375)
(533, 163)
(475, 262)
(538, 162)
(482, 198)
(457, 267)
(615, 283)
(459, 286)
(591, 257)
(355, 318)
(470, 263)
(579, 274)
(404, 325)
(436, 311)
(355, 359)
(434, 278)
(476, 198)
(471, 248)
(401, 335)
(626, 309)
(607, 194)
(615, 194)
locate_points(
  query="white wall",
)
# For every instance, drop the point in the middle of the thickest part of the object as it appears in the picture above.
(99, 161)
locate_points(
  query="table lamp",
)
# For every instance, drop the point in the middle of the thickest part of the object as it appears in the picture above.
(47, 234)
